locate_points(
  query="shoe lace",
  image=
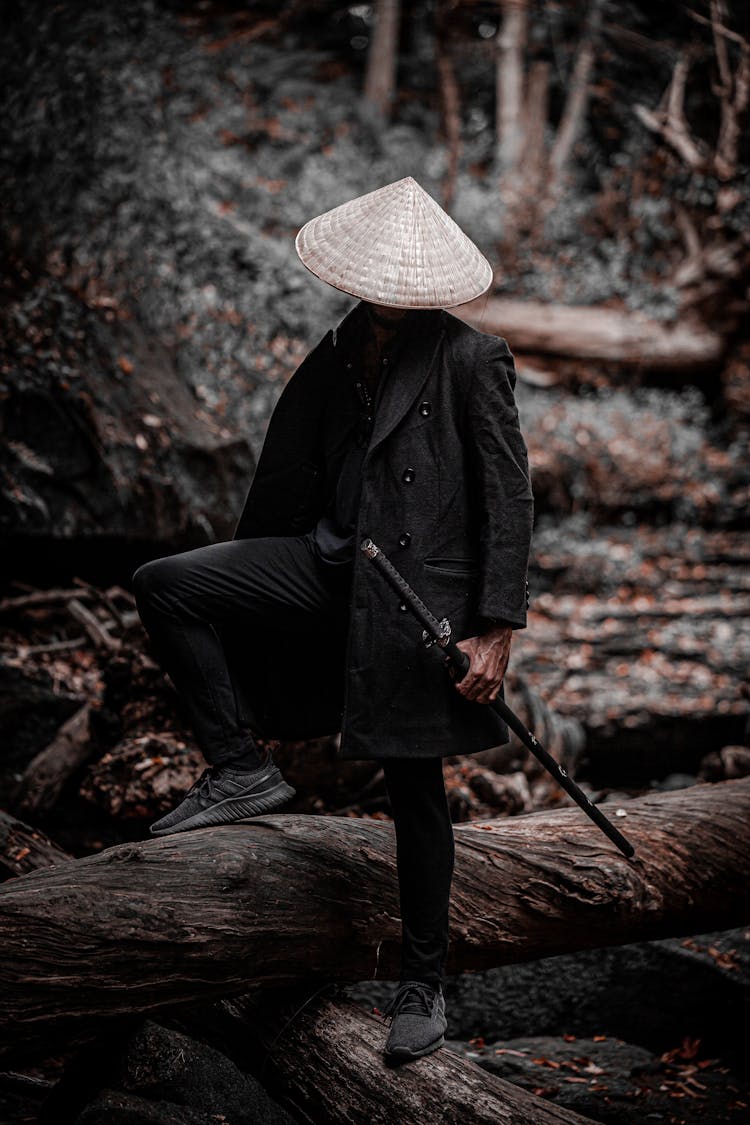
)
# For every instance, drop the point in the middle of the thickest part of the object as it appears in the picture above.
(412, 996)
(202, 785)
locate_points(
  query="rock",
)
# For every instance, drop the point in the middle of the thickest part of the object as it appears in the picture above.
(651, 994)
(729, 762)
(111, 1107)
(112, 443)
(166, 1066)
(674, 781)
(615, 1082)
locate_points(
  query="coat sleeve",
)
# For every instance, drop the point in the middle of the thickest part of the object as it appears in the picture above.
(500, 485)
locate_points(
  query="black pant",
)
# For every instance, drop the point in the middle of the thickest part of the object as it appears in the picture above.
(182, 600)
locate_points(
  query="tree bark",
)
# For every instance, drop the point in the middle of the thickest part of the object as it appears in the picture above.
(145, 926)
(24, 849)
(328, 1066)
(596, 333)
(320, 1029)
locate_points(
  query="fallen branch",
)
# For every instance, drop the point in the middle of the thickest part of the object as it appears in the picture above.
(98, 632)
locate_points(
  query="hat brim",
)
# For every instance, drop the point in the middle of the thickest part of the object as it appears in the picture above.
(396, 247)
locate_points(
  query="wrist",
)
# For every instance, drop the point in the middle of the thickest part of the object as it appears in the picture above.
(493, 624)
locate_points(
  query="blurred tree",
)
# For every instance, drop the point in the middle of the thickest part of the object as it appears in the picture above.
(380, 77)
(717, 249)
(449, 96)
(531, 177)
(511, 50)
(576, 103)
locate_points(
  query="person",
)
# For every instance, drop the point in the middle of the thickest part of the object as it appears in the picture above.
(401, 425)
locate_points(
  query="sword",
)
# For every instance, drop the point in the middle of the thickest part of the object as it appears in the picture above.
(439, 632)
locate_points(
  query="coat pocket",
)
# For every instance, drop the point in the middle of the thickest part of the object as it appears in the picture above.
(452, 565)
(450, 588)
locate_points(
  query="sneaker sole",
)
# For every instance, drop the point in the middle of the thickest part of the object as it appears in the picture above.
(404, 1053)
(234, 810)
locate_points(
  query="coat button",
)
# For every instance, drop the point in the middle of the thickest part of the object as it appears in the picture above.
(404, 539)
(408, 475)
(403, 607)
(386, 361)
(425, 407)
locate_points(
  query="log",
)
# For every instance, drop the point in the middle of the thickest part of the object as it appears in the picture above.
(259, 1024)
(588, 332)
(46, 774)
(322, 1060)
(24, 849)
(142, 927)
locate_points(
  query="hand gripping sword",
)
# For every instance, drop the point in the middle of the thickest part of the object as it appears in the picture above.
(439, 632)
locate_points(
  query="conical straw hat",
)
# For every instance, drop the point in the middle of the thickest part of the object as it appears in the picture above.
(395, 246)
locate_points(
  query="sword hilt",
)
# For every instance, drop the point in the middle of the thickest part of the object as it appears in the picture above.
(438, 631)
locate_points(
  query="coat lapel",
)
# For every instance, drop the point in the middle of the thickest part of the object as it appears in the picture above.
(409, 372)
(408, 375)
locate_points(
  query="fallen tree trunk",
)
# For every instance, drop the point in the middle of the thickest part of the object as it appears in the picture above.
(597, 333)
(321, 1058)
(320, 1042)
(24, 849)
(145, 926)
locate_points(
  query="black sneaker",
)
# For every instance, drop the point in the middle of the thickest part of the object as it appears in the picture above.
(223, 795)
(418, 1022)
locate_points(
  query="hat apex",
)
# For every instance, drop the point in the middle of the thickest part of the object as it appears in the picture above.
(395, 246)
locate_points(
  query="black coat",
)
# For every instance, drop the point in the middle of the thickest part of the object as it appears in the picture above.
(458, 527)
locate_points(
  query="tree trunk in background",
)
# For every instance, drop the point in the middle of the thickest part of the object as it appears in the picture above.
(450, 101)
(143, 927)
(511, 48)
(576, 103)
(535, 119)
(380, 78)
